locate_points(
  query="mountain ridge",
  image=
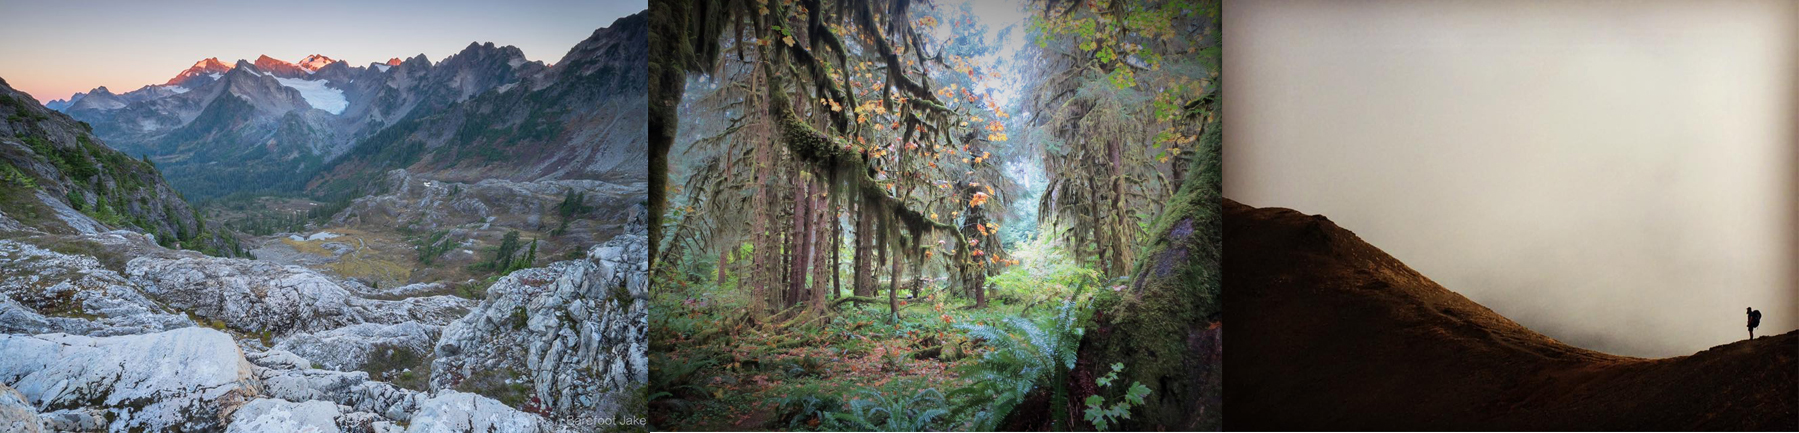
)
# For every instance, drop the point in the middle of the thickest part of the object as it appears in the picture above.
(286, 123)
(549, 123)
(1336, 334)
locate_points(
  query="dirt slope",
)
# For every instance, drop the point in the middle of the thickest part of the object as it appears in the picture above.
(1332, 333)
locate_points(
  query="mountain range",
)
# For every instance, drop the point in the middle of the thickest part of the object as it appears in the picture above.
(271, 126)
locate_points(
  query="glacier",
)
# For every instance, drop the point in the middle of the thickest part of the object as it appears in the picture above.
(318, 94)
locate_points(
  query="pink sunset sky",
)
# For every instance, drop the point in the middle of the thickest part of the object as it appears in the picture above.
(58, 48)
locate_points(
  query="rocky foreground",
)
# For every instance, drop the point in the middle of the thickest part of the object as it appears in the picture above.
(177, 341)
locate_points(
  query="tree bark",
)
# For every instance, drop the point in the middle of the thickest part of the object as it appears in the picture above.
(820, 210)
(723, 255)
(917, 262)
(893, 283)
(979, 280)
(880, 257)
(863, 260)
(1121, 239)
(799, 254)
(837, 243)
(668, 83)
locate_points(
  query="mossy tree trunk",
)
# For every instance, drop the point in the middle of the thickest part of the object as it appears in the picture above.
(801, 248)
(684, 35)
(1166, 326)
(668, 82)
(893, 283)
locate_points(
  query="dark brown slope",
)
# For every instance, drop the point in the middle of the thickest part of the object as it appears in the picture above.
(1331, 333)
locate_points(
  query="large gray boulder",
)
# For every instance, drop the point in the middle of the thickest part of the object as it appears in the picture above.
(276, 415)
(257, 296)
(353, 347)
(352, 389)
(43, 291)
(456, 412)
(188, 379)
(574, 331)
(15, 414)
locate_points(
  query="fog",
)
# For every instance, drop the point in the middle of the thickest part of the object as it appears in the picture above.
(1616, 175)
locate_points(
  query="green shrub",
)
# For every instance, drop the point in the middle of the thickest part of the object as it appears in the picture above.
(574, 205)
(1024, 355)
(876, 411)
(807, 407)
(430, 247)
(520, 318)
(397, 365)
(678, 377)
(105, 213)
(13, 177)
(502, 257)
(1044, 273)
(1103, 416)
(503, 384)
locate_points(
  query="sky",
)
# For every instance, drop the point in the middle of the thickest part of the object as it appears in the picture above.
(56, 48)
(1619, 176)
(997, 15)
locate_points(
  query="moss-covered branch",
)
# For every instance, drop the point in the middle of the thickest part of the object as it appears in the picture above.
(828, 154)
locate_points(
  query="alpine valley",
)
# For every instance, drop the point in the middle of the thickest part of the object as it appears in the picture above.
(263, 245)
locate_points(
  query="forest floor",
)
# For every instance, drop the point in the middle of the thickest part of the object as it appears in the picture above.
(717, 370)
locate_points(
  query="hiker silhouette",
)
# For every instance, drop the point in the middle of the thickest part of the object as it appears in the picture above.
(1755, 319)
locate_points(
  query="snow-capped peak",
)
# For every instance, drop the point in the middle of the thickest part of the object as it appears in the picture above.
(211, 63)
(209, 66)
(266, 62)
(313, 62)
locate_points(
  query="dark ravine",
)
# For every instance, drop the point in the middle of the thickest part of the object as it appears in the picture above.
(57, 177)
(1332, 333)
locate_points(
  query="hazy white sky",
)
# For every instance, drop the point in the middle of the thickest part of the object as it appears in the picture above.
(997, 15)
(1614, 174)
(55, 48)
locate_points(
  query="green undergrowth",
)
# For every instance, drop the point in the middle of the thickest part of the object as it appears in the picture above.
(401, 366)
(944, 365)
